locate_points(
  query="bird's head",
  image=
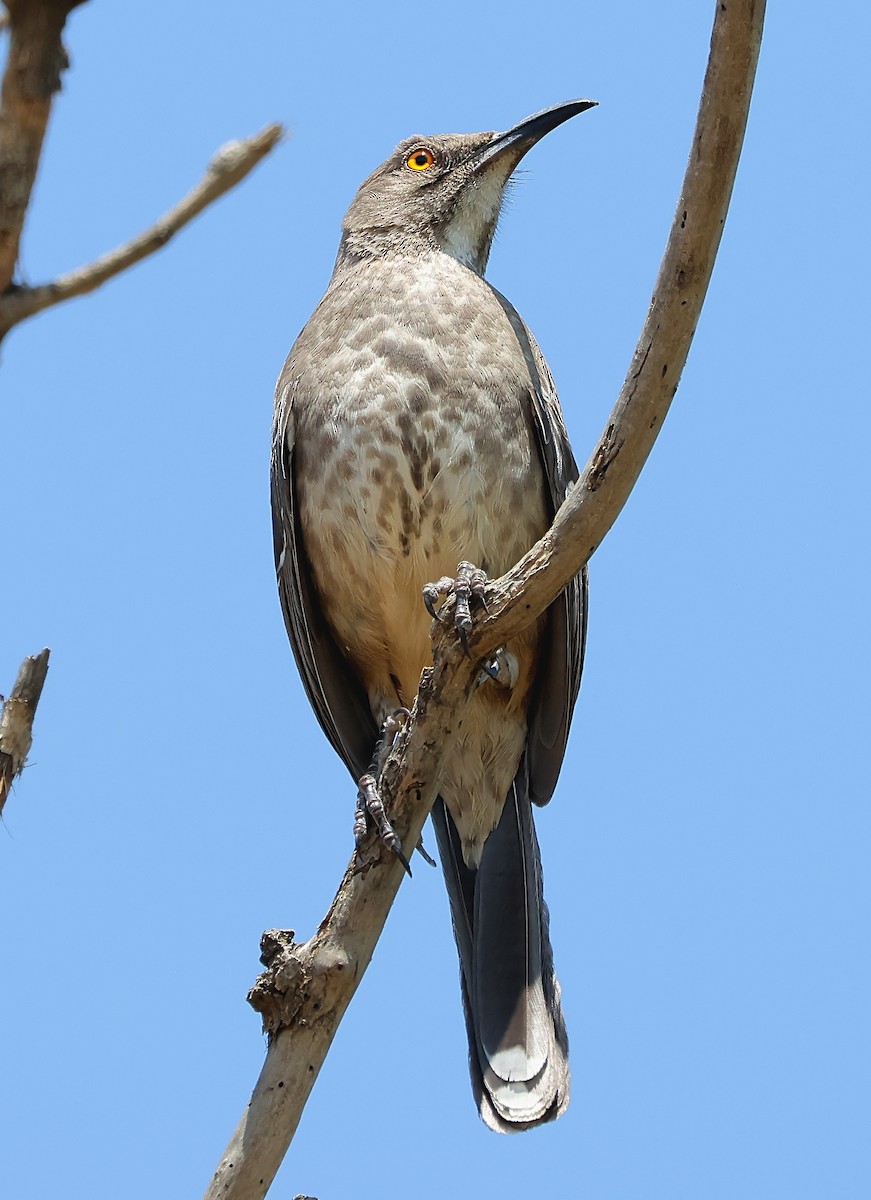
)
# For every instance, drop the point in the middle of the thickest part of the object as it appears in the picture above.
(443, 192)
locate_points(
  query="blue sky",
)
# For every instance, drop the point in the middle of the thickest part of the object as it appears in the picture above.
(707, 853)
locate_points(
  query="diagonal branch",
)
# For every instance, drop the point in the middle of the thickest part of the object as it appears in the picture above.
(661, 353)
(307, 987)
(228, 167)
(16, 720)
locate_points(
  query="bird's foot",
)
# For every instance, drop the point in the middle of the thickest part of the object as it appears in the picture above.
(370, 806)
(470, 584)
(396, 722)
(503, 668)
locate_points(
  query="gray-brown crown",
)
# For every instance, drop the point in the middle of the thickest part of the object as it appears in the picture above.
(443, 192)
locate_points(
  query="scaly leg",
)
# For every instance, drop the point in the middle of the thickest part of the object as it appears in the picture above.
(370, 806)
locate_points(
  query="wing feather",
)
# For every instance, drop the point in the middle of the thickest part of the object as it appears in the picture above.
(335, 693)
(562, 653)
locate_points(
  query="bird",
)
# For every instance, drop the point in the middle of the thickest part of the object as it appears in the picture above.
(418, 437)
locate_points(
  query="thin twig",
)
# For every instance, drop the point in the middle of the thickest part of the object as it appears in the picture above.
(307, 987)
(228, 167)
(16, 720)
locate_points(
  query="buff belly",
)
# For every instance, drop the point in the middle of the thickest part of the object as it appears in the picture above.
(398, 508)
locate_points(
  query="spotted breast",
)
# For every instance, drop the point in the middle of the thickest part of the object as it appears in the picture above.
(413, 462)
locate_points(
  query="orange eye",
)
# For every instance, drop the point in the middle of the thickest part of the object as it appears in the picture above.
(420, 159)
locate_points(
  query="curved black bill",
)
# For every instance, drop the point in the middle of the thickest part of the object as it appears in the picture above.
(526, 133)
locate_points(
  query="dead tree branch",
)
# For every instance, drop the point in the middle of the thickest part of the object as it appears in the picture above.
(33, 70)
(307, 987)
(228, 167)
(36, 60)
(33, 75)
(16, 720)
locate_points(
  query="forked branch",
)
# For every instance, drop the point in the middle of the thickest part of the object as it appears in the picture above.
(307, 987)
(34, 66)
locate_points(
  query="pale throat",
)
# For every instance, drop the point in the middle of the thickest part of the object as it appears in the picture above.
(469, 232)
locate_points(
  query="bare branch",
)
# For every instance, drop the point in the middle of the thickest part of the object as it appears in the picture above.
(32, 76)
(660, 355)
(228, 167)
(16, 720)
(306, 988)
(33, 71)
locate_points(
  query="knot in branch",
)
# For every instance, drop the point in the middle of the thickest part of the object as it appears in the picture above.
(295, 987)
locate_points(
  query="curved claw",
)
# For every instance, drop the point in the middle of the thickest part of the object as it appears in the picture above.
(370, 805)
(430, 598)
(433, 592)
(470, 584)
(421, 849)
(502, 668)
(396, 846)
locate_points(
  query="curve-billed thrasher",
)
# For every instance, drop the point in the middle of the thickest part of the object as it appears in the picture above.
(417, 425)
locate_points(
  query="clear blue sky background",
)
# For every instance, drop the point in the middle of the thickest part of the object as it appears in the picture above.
(707, 854)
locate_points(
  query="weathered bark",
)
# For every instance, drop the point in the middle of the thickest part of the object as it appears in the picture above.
(33, 71)
(16, 720)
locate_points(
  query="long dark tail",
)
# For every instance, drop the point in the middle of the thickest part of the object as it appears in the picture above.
(518, 1049)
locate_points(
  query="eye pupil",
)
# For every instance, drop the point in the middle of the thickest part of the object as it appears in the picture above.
(420, 159)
